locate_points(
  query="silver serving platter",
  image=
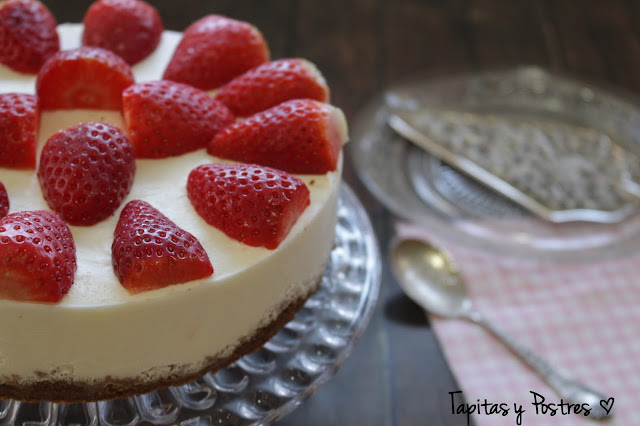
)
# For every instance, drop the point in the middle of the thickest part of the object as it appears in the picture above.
(264, 386)
(519, 161)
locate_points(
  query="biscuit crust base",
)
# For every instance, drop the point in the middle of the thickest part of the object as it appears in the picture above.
(110, 388)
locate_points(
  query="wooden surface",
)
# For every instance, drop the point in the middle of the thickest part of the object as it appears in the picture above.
(397, 375)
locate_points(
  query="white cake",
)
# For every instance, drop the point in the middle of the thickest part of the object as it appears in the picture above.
(100, 341)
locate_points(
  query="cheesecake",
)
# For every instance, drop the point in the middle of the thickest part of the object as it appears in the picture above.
(103, 342)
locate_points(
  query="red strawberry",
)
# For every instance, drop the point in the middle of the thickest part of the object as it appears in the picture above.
(149, 251)
(129, 28)
(298, 136)
(19, 125)
(164, 118)
(272, 83)
(252, 204)
(27, 35)
(86, 77)
(214, 50)
(4, 201)
(86, 171)
(37, 257)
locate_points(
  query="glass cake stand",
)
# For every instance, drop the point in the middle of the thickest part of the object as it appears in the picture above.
(264, 386)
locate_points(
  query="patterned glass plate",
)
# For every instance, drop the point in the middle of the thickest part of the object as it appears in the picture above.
(525, 127)
(264, 386)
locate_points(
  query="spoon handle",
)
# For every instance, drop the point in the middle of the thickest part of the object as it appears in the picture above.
(568, 389)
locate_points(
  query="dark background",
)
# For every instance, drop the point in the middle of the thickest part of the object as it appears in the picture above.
(397, 375)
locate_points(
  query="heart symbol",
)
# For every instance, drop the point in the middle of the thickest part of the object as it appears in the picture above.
(607, 404)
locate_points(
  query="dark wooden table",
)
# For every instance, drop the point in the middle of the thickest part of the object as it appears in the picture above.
(397, 374)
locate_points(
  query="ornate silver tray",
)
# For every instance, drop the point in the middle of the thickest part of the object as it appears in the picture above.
(562, 149)
(264, 386)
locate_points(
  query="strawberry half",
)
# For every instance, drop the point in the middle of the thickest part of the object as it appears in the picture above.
(86, 77)
(272, 83)
(149, 251)
(252, 204)
(215, 49)
(28, 35)
(129, 28)
(19, 125)
(4, 201)
(298, 136)
(37, 257)
(86, 171)
(164, 118)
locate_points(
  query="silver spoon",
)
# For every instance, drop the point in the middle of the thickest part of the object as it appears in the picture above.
(431, 279)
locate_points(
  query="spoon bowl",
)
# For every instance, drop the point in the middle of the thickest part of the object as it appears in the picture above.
(429, 277)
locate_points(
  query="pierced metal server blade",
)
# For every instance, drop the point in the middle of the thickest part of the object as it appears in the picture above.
(560, 172)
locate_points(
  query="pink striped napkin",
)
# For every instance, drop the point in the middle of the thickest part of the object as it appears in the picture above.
(583, 318)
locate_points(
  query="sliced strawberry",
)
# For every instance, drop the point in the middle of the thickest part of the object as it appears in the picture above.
(149, 251)
(19, 125)
(252, 204)
(214, 50)
(272, 83)
(37, 257)
(86, 77)
(28, 35)
(129, 28)
(298, 136)
(4, 201)
(86, 171)
(164, 118)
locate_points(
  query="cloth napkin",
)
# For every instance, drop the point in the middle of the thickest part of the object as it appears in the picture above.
(582, 318)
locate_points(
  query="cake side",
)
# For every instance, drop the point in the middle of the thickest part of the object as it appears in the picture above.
(50, 387)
